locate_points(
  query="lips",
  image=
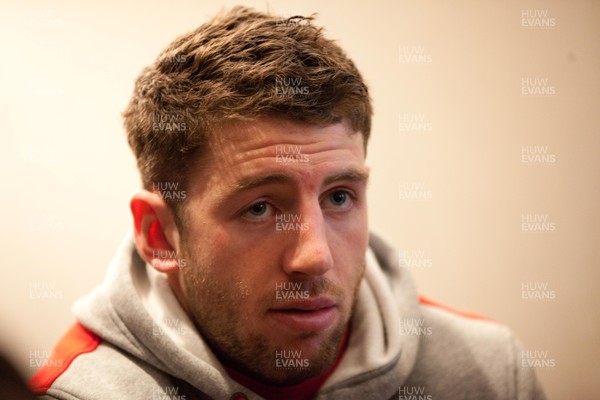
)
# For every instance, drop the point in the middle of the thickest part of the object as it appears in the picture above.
(304, 316)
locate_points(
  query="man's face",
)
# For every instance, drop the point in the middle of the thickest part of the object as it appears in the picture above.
(274, 240)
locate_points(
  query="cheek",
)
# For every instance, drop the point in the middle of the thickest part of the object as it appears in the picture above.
(206, 241)
(352, 234)
(219, 239)
(350, 246)
(234, 263)
(205, 249)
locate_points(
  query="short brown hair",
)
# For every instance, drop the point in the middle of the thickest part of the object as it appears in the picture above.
(240, 65)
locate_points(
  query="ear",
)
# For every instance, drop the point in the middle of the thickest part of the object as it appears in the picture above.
(156, 234)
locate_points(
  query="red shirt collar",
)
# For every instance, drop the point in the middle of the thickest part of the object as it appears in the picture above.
(303, 391)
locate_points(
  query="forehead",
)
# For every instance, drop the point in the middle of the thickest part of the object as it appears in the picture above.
(235, 141)
(273, 145)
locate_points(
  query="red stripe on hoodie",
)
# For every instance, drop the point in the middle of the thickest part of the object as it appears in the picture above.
(428, 302)
(78, 340)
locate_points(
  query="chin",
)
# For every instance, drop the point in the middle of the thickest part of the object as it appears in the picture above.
(292, 377)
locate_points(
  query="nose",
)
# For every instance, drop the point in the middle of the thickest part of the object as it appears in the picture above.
(308, 252)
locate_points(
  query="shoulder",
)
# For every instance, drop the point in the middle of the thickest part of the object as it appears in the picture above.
(83, 366)
(457, 338)
(462, 353)
(76, 341)
(463, 325)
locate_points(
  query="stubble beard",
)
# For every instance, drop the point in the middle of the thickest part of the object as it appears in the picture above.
(218, 316)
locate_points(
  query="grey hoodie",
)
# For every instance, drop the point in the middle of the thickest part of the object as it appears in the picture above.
(399, 348)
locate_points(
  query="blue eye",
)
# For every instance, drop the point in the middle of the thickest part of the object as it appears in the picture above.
(258, 209)
(339, 197)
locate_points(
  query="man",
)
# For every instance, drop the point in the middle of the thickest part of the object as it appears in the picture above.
(251, 273)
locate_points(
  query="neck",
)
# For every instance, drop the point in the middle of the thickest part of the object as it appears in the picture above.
(305, 389)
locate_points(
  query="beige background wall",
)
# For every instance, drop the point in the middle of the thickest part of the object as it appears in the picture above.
(452, 189)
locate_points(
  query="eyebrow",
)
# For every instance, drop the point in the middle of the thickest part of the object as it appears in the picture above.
(352, 175)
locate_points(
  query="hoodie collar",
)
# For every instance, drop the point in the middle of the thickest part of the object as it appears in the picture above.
(134, 309)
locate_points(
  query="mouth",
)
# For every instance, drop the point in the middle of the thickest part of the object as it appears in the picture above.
(305, 316)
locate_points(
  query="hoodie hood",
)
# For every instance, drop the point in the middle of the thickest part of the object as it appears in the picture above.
(135, 311)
